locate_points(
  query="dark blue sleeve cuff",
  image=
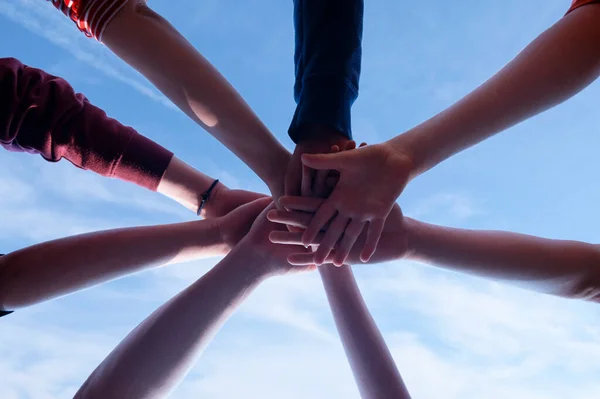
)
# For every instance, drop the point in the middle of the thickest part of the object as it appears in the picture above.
(323, 101)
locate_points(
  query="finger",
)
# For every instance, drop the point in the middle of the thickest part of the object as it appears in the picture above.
(292, 182)
(304, 204)
(288, 238)
(299, 259)
(297, 219)
(325, 161)
(350, 145)
(331, 237)
(308, 175)
(350, 236)
(320, 187)
(295, 229)
(363, 144)
(373, 235)
(302, 268)
(324, 214)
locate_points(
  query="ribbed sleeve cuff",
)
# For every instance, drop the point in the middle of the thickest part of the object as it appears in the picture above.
(144, 162)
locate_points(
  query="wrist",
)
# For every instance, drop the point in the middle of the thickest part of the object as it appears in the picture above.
(321, 134)
(254, 264)
(210, 209)
(274, 173)
(404, 150)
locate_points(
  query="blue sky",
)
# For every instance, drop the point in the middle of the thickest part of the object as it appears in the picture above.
(452, 336)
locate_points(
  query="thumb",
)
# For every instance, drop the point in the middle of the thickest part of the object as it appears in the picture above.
(325, 161)
(254, 208)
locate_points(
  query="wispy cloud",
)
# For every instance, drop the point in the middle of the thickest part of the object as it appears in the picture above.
(456, 206)
(41, 18)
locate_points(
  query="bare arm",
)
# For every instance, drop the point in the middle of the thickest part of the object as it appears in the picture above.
(149, 362)
(55, 268)
(557, 267)
(151, 45)
(558, 64)
(372, 364)
(186, 185)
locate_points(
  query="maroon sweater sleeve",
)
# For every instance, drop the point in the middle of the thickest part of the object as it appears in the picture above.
(42, 114)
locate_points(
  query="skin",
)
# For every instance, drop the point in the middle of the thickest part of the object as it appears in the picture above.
(56, 268)
(151, 45)
(149, 363)
(563, 268)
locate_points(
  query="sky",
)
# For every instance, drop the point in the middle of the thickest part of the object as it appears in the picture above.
(452, 336)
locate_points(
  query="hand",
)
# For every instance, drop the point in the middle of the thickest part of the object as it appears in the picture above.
(273, 256)
(371, 178)
(393, 243)
(319, 142)
(224, 200)
(236, 224)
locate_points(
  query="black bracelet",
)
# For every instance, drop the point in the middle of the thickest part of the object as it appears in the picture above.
(206, 196)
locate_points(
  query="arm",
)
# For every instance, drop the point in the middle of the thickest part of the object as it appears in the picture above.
(149, 363)
(554, 67)
(151, 45)
(557, 65)
(56, 268)
(557, 267)
(372, 364)
(42, 114)
(327, 61)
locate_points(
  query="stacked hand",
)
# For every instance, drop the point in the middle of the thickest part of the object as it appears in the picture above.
(347, 206)
(273, 257)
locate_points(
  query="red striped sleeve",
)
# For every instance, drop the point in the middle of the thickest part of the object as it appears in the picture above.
(578, 3)
(90, 16)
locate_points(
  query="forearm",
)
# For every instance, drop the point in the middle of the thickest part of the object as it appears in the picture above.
(149, 362)
(185, 185)
(372, 364)
(554, 67)
(328, 51)
(558, 267)
(151, 45)
(41, 113)
(55, 268)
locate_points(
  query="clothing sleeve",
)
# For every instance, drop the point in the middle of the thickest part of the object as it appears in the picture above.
(327, 58)
(41, 114)
(4, 312)
(578, 3)
(90, 16)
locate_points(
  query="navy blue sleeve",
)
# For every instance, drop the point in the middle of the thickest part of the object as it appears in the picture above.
(328, 35)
